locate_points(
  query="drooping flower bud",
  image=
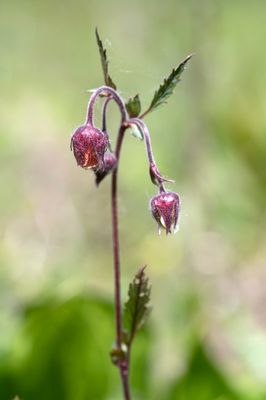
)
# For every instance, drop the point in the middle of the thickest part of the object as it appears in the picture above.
(110, 162)
(89, 145)
(165, 210)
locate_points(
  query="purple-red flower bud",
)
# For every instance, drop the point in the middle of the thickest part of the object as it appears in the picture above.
(165, 210)
(110, 162)
(89, 145)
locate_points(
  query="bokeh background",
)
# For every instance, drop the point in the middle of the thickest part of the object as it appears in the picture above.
(206, 337)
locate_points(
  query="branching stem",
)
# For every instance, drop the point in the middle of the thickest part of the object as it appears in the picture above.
(111, 94)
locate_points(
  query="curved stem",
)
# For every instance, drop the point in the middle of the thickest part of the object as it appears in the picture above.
(123, 365)
(104, 122)
(156, 176)
(147, 138)
(110, 92)
(104, 112)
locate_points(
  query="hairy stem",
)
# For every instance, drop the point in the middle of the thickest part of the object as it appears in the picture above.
(156, 176)
(142, 126)
(107, 91)
(123, 364)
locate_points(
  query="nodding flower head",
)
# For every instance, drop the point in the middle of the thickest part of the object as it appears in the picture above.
(89, 145)
(165, 210)
(110, 162)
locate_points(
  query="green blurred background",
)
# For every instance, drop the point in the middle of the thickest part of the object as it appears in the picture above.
(206, 337)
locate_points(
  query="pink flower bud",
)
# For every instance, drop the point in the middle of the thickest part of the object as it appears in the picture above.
(165, 210)
(110, 162)
(89, 145)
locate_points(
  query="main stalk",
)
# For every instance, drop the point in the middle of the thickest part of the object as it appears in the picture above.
(122, 363)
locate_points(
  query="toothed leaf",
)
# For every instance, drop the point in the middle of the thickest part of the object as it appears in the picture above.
(137, 308)
(133, 106)
(166, 89)
(107, 79)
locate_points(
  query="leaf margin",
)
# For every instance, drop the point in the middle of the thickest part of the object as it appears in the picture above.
(167, 87)
(104, 61)
(137, 308)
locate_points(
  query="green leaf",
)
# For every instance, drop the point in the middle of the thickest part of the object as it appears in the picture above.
(137, 308)
(107, 79)
(166, 89)
(203, 379)
(133, 106)
(58, 344)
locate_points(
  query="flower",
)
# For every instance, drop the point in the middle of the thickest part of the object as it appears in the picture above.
(110, 162)
(89, 145)
(165, 210)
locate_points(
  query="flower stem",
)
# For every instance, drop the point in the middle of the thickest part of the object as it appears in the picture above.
(123, 364)
(107, 91)
(156, 176)
(113, 95)
(104, 112)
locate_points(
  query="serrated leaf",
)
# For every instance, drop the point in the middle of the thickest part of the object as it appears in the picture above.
(133, 106)
(166, 89)
(107, 79)
(137, 308)
(136, 132)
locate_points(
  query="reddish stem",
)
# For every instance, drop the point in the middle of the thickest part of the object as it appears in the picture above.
(123, 365)
(116, 246)
(109, 92)
(153, 167)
